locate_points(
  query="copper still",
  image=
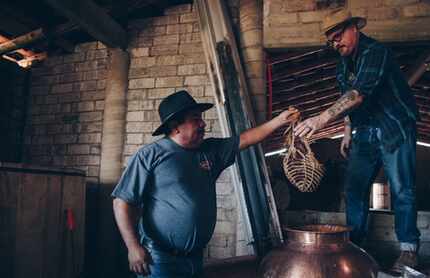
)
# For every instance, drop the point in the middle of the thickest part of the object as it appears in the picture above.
(318, 251)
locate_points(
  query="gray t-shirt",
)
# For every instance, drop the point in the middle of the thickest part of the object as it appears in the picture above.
(175, 189)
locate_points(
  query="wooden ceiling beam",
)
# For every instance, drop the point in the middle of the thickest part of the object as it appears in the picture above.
(93, 19)
(21, 41)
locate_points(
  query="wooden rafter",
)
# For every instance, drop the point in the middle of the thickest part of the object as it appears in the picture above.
(93, 19)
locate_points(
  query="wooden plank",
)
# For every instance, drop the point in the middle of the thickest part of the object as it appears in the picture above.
(52, 227)
(32, 191)
(73, 198)
(92, 19)
(8, 208)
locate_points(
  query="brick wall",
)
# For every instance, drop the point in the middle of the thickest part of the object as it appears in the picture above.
(64, 125)
(294, 23)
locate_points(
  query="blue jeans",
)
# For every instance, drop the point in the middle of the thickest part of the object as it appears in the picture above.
(366, 157)
(167, 265)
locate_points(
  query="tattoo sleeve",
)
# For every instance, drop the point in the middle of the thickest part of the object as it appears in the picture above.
(344, 104)
(347, 121)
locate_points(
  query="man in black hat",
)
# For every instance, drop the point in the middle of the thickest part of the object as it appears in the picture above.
(380, 129)
(169, 188)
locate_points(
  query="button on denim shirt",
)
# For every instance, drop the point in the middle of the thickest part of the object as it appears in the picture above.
(388, 101)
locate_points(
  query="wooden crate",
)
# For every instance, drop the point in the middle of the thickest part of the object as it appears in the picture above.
(35, 240)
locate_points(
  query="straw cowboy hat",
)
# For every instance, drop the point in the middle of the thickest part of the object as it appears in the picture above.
(337, 17)
(175, 104)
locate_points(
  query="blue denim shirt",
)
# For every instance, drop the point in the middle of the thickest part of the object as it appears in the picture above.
(388, 101)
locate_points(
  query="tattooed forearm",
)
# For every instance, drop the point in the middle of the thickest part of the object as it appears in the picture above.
(348, 101)
(347, 121)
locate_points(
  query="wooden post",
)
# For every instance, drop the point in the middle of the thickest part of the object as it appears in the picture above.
(111, 158)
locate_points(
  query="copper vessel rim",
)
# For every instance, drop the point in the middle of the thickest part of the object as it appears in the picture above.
(318, 229)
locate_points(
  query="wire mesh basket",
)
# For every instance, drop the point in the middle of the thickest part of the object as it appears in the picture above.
(301, 167)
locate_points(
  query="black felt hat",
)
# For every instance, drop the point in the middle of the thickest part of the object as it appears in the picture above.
(175, 104)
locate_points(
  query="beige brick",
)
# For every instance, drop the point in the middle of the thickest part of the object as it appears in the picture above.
(71, 77)
(190, 38)
(159, 93)
(164, 82)
(62, 88)
(383, 13)
(139, 52)
(88, 160)
(136, 94)
(399, 2)
(70, 97)
(63, 68)
(225, 227)
(100, 105)
(90, 138)
(150, 31)
(198, 58)
(86, 106)
(191, 48)
(75, 57)
(50, 99)
(101, 84)
(142, 62)
(65, 138)
(416, 10)
(92, 95)
(166, 60)
(130, 149)
(93, 171)
(89, 127)
(161, 71)
(312, 16)
(179, 28)
(134, 138)
(299, 5)
(196, 27)
(169, 39)
(141, 83)
(365, 4)
(90, 116)
(138, 105)
(86, 66)
(164, 49)
(96, 149)
(188, 17)
(192, 69)
(136, 116)
(97, 54)
(196, 80)
(139, 127)
(78, 149)
(86, 86)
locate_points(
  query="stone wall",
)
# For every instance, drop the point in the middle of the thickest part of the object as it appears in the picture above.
(295, 23)
(67, 104)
